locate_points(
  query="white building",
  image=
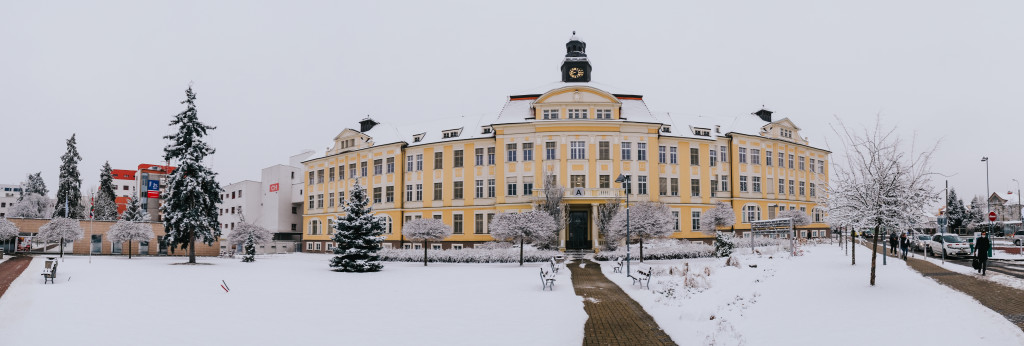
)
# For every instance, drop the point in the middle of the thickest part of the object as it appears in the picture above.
(275, 202)
(8, 196)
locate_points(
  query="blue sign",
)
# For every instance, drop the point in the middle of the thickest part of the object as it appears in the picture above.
(154, 185)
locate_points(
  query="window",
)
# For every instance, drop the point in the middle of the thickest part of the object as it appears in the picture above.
(511, 186)
(363, 168)
(577, 150)
(330, 200)
(791, 184)
(320, 200)
(330, 175)
(782, 185)
(377, 195)
(490, 155)
(675, 219)
(550, 114)
(310, 178)
(673, 185)
(419, 162)
(604, 113)
(527, 186)
(389, 194)
(641, 184)
(479, 189)
(695, 219)
(419, 192)
(782, 163)
(819, 215)
(821, 166)
(751, 213)
(628, 185)
(479, 153)
(391, 165)
(437, 191)
(408, 193)
(438, 160)
(711, 156)
(812, 190)
(296, 210)
(490, 188)
(576, 113)
(457, 223)
(378, 167)
(309, 246)
(722, 154)
(603, 150)
(341, 198)
(755, 156)
(457, 191)
(527, 152)
(695, 187)
(694, 156)
(319, 180)
(768, 158)
(786, 133)
(549, 151)
(743, 183)
(478, 223)
(725, 183)
(811, 165)
(604, 181)
(790, 161)
(408, 163)
(510, 152)
(802, 188)
(673, 155)
(314, 227)
(661, 154)
(641, 151)
(743, 155)
(771, 211)
(756, 184)
(662, 186)
(801, 162)
(627, 151)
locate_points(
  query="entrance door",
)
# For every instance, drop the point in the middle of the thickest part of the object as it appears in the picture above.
(96, 240)
(579, 237)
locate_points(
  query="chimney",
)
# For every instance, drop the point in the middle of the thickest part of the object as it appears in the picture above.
(764, 114)
(366, 124)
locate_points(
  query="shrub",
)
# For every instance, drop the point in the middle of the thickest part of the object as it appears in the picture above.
(497, 255)
(662, 249)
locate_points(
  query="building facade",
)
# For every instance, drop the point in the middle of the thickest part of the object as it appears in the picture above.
(125, 186)
(275, 202)
(9, 195)
(574, 134)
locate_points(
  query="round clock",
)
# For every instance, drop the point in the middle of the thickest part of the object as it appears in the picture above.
(575, 72)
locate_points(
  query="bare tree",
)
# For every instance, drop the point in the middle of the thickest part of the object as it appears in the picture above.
(605, 214)
(553, 203)
(879, 182)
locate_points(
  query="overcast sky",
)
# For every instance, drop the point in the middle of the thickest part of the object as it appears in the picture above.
(280, 77)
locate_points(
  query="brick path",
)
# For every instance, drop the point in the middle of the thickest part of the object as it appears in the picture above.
(615, 318)
(11, 269)
(1005, 300)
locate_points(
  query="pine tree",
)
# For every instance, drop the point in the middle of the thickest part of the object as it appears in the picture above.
(190, 205)
(358, 235)
(34, 184)
(956, 213)
(105, 206)
(69, 191)
(723, 244)
(133, 211)
(249, 235)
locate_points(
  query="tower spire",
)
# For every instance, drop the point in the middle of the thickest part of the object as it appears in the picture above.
(575, 66)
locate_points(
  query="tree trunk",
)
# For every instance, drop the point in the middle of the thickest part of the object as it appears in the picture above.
(192, 247)
(520, 252)
(641, 249)
(424, 252)
(61, 247)
(874, 252)
(129, 249)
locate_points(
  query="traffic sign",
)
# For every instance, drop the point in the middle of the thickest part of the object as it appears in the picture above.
(991, 216)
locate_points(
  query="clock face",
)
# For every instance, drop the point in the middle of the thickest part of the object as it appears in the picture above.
(575, 72)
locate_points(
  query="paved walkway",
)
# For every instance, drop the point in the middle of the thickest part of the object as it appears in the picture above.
(615, 318)
(11, 269)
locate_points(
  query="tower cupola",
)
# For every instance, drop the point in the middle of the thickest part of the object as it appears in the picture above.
(575, 67)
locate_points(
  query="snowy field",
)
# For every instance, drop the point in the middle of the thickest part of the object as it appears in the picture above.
(814, 299)
(287, 300)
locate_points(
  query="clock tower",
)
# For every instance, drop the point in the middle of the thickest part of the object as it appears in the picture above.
(575, 67)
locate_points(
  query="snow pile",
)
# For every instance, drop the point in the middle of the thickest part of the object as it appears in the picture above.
(660, 249)
(475, 255)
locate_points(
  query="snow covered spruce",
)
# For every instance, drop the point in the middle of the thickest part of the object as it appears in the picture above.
(69, 195)
(534, 226)
(190, 203)
(426, 230)
(720, 216)
(105, 207)
(358, 235)
(249, 235)
(132, 226)
(61, 230)
(32, 203)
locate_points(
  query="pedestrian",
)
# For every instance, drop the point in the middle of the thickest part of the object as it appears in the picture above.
(982, 246)
(904, 244)
(892, 242)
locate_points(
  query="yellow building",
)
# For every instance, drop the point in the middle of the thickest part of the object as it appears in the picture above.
(464, 170)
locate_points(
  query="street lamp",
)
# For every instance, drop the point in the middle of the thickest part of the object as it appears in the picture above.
(1021, 213)
(624, 180)
(988, 193)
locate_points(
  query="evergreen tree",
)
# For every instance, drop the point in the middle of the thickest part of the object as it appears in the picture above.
(34, 184)
(190, 205)
(69, 190)
(133, 211)
(358, 235)
(105, 206)
(956, 213)
(723, 244)
(249, 235)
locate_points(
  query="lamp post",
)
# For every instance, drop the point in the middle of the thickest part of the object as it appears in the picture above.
(624, 180)
(988, 194)
(1021, 214)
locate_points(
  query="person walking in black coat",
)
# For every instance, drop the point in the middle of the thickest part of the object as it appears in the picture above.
(982, 246)
(892, 242)
(904, 244)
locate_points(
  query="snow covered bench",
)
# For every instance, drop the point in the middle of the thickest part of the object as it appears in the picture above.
(547, 280)
(554, 265)
(641, 277)
(618, 265)
(49, 271)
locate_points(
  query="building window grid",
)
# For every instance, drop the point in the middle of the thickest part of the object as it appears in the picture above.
(604, 150)
(802, 188)
(389, 194)
(722, 154)
(712, 157)
(743, 183)
(811, 192)
(755, 156)
(675, 218)
(577, 150)
(330, 174)
(695, 187)
(438, 160)
(457, 223)
(391, 165)
(792, 183)
(673, 185)
(364, 168)
(419, 162)
(479, 189)
(662, 154)
(662, 186)
(549, 151)
(419, 192)
(782, 160)
(409, 163)
(490, 188)
(790, 161)
(627, 151)
(457, 158)
(510, 152)
(604, 113)
(550, 114)
(695, 157)
(768, 158)
(577, 113)
(811, 165)
(673, 155)
(641, 187)
(527, 152)
(743, 155)
(641, 151)
(377, 194)
(756, 184)
(457, 190)
(695, 219)
(800, 161)
(490, 155)
(438, 188)
(378, 167)
(479, 153)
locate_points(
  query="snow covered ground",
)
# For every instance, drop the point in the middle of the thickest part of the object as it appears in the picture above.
(287, 300)
(814, 299)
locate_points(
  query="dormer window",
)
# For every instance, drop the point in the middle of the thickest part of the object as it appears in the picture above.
(577, 113)
(550, 114)
(451, 133)
(718, 129)
(666, 129)
(417, 138)
(699, 131)
(486, 130)
(604, 113)
(787, 133)
(348, 143)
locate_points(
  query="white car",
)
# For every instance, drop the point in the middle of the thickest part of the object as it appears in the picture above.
(948, 244)
(1017, 237)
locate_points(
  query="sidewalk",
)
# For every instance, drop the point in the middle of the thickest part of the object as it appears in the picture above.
(615, 318)
(11, 269)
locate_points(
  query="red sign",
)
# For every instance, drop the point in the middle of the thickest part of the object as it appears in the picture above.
(274, 187)
(153, 194)
(991, 216)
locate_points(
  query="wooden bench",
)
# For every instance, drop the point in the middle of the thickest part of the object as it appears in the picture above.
(554, 265)
(618, 265)
(547, 280)
(49, 271)
(641, 277)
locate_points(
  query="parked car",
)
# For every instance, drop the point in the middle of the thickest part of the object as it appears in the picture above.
(948, 244)
(1017, 237)
(867, 234)
(919, 242)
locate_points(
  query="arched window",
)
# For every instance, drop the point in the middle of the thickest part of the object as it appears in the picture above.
(330, 225)
(387, 223)
(751, 212)
(314, 227)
